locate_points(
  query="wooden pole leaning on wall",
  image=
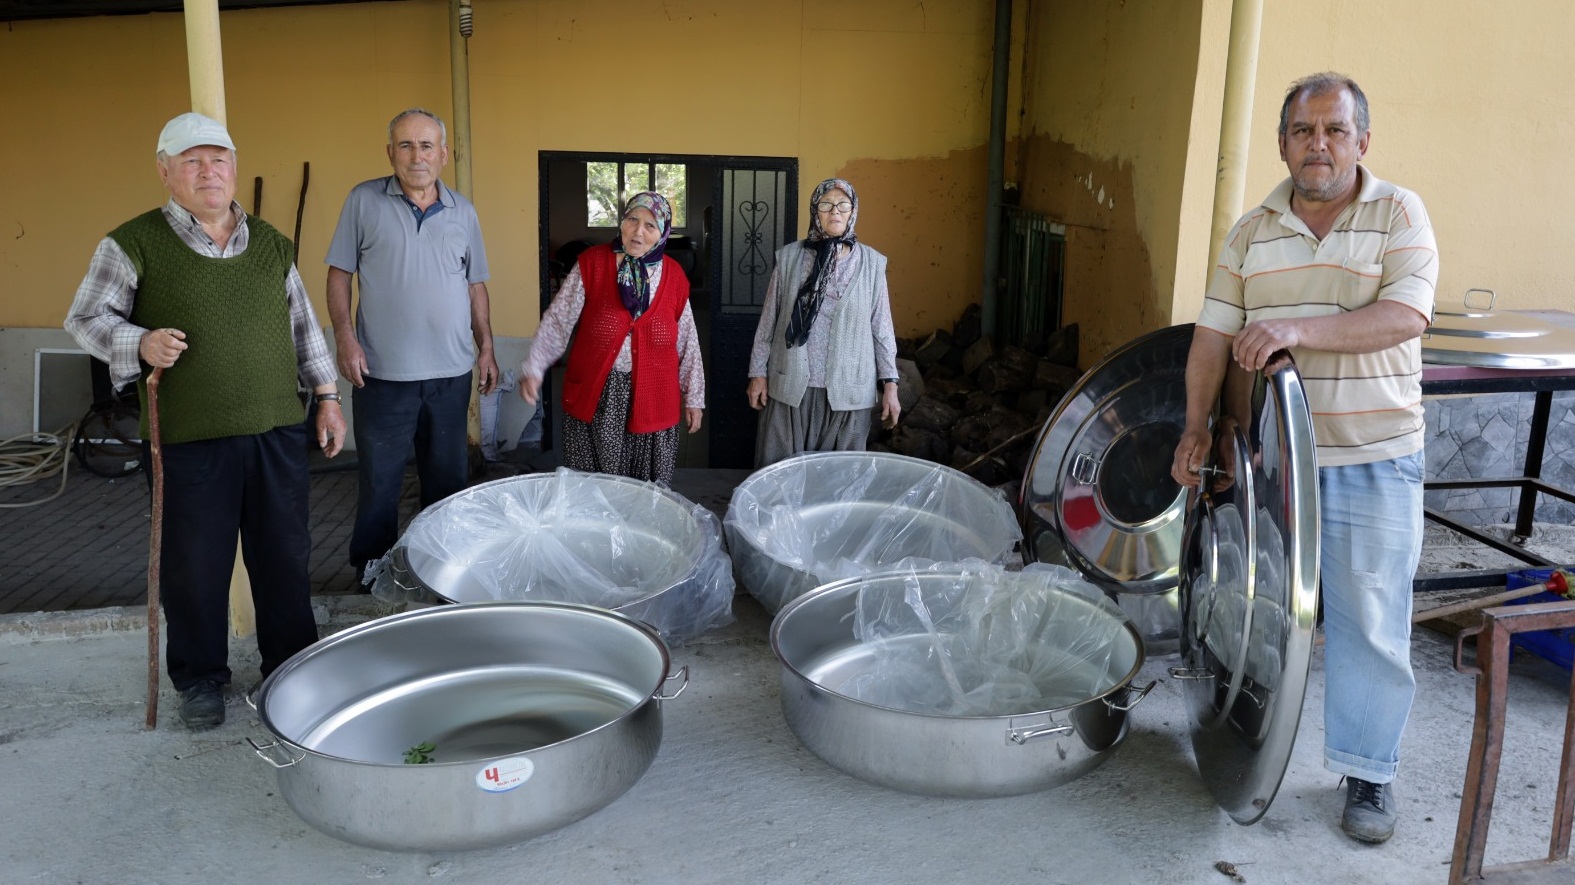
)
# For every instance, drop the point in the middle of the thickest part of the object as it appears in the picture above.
(205, 68)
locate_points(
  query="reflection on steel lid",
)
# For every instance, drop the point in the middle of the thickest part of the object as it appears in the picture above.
(1249, 590)
(1465, 335)
(1097, 494)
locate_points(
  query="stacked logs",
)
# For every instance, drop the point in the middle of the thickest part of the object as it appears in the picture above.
(976, 405)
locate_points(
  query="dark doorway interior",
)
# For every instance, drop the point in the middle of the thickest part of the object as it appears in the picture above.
(735, 212)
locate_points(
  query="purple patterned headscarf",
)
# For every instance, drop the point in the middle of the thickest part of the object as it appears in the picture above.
(827, 249)
(634, 274)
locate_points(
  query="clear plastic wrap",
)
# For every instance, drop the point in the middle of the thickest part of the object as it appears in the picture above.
(609, 541)
(973, 639)
(821, 516)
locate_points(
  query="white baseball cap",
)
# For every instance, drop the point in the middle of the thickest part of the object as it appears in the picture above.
(191, 129)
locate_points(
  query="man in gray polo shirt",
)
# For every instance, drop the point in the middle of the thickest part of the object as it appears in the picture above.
(422, 321)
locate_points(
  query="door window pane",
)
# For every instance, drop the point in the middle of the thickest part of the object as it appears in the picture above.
(672, 182)
(608, 185)
(601, 195)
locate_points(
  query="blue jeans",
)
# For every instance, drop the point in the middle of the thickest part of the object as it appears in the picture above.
(390, 417)
(1372, 541)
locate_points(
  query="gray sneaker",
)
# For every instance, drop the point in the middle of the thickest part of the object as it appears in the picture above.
(202, 705)
(1370, 810)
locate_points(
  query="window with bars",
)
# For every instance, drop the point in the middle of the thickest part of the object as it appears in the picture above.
(608, 185)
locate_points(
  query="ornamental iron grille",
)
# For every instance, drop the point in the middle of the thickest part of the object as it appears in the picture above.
(752, 229)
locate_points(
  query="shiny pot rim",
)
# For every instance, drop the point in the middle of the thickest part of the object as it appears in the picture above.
(258, 699)
(796, 460)
(820, 594)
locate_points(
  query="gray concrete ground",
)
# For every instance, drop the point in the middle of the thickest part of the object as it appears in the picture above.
(91, 797)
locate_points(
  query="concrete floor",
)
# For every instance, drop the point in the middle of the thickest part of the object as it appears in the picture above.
(91, 797)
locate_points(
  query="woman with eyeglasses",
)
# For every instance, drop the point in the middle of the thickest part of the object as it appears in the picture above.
(825, 353)
(634, 368)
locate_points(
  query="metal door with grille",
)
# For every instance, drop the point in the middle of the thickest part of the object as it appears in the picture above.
(756, 213)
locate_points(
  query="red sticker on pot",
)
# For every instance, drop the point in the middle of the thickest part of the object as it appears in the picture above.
(505, 774)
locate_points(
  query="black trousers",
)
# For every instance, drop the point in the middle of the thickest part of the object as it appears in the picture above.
(257, 487)
(391, 418)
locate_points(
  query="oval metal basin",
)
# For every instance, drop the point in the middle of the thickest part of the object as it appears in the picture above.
(958, 681)
(531, 716)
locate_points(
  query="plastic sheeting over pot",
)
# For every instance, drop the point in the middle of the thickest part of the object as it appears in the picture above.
(819, 516)
(609, 541)
(959, 679)
(969, 639)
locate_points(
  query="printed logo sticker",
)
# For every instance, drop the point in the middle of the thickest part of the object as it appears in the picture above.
(505, 774)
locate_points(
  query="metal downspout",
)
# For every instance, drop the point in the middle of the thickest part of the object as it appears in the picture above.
(460, 29)
(992, 211)
(205, 70)
(459, 63)
(1241, 72)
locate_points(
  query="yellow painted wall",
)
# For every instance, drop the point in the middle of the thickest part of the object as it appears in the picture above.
(892, 93)
(1471, 108)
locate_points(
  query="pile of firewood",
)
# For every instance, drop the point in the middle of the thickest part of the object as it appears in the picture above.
(976, 405)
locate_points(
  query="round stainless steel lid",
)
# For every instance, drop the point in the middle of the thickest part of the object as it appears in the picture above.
(1249, 590)
(1097, 494)
(1470, 334)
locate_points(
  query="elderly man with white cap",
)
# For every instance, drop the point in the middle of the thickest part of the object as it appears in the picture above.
(212, 297)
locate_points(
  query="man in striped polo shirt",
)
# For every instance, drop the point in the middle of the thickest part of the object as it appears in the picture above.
(1339, 268)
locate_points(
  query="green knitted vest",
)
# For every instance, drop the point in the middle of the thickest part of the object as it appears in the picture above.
(238, 374)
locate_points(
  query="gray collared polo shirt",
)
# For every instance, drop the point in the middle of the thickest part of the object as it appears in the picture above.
(413, 313)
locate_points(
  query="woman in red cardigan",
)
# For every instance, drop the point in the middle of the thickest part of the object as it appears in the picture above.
(634, 365)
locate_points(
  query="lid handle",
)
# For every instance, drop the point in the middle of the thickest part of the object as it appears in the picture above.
(1492, 299)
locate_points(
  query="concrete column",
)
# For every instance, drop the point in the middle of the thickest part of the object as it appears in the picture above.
(205, 69)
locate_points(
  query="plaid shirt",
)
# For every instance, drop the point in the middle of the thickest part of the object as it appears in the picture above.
(99, 315)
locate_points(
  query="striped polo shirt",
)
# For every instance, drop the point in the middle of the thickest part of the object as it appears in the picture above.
(1366, 406)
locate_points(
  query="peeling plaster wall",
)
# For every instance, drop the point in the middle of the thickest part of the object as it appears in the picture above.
(931, 212)
(1108, 290)
(1107, 114)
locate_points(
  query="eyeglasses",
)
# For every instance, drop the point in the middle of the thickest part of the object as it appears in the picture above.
(827, 206)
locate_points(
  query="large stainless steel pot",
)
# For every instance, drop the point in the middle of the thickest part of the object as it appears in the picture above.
(539, 714)
(796, 524)
(959, 680)
(609, 541)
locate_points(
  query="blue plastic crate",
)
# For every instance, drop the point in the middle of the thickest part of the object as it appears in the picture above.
(1557, 646)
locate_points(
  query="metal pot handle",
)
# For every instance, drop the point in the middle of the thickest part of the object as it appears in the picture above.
(1026, 733)
(683, 674)
(263, 753)
(1131, 701)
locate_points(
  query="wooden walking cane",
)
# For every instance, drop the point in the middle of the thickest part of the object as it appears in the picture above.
(155, 548)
